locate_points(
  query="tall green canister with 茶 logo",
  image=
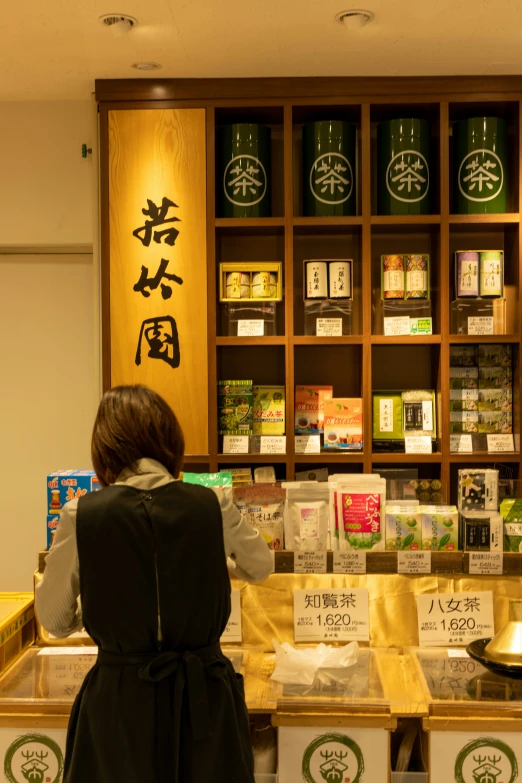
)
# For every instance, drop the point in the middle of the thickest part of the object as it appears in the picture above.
(480, 165)
(243, 171)
(329, 169)
(404, 177)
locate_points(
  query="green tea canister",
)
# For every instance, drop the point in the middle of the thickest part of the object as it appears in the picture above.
(404, 178)
(480, 166)
(243, 188)
(329, 169)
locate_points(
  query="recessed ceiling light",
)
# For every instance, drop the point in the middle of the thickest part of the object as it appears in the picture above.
(146, 66)
(355, 18)
(119, 24)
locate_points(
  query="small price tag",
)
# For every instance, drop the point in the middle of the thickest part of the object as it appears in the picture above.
(329, 327)
(417, 444)
(421, 326)
(235, 444)
(486, 563)
(307, 444)
(454, 619)
(233, 631)
(481, 325)
(251, 328)
(397, 326)
(68, 651)
(349, 562)
(411, 562)
(499, 443)
(273, 444)
(461, 444)
(309, 562)
(331, 615)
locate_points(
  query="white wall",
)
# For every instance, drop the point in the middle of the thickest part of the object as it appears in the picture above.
(45, 184)
(49, 346)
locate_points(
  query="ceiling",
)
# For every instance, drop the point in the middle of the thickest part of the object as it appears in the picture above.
(54, 50)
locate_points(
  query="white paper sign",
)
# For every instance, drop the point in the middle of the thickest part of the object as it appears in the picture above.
(454, 619)
(411, 562)
(461, 444)
(333, 615)
(235, 444)
(251, 328)
(481, 325)
(329, 327)
(457, 654)
(397, 326)
(310, 562)
(486, 563)
(68, 651)
(499, 443)
(475, 757)
(233, 632)
(349, 562)
(417, 444)
(334, 754)
(273, 444)
(307, 444)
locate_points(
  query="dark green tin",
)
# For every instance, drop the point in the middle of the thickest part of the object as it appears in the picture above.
(329, 169)
(243, 171)
(404, 178)
(480, 166)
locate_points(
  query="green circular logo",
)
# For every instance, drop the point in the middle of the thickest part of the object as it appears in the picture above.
(486, 760)
(33, 758)
(245, 181)
(334, 758)
(408, 176)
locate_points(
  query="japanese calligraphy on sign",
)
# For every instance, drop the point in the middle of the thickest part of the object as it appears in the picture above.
(408, 176)
(481, 175)
(454, 618)
(245, 181)
(335, 614)
(157, 260)
(331, 178)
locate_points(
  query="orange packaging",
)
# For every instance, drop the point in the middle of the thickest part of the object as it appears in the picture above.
(343, 423)
(309, 408)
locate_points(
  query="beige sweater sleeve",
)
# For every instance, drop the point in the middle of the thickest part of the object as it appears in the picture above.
(57, 594)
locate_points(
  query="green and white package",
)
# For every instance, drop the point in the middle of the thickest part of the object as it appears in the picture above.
(403, 528)
(440, 528)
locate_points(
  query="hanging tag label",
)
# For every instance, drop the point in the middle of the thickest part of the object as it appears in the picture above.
(456, 619)
(397, 326)
(499, 443)
(307, 444)
(310, 562)
(273, 444)
(331, 615)
(481, 325)
(417, 444)
(233, 631)
(461, 444)
(486, 563)
(349, 562)
(329, 327)
(235, 444)
(251, 328)
(411, 562)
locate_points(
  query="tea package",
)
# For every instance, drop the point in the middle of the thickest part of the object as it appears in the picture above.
(343, 423)
(361, 502)
(418, 412)
(268, 410)
(308, 517)
(478, 489)
(387, 416)
(440, 528)
(286, 486)
(403, 528)
(333, 524)
(309, 409)
(235, 407)
(482, 531)
(262, 505)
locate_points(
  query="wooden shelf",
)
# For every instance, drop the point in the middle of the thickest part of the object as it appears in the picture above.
(257, 341)
(196, 458)
(405, 220)
(350, 457)
(507, 217)
(250, 225)
(485, 456)
(352, 339)
(484, 338)
(326, 222)
(412, 339)
(408, 458)
(251, 459)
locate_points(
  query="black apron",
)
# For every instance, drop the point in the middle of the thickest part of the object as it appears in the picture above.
(156, 712)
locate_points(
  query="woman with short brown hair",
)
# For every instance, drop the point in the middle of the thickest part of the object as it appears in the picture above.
(148, 557)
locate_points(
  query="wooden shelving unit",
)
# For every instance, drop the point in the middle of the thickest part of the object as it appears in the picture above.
(356, 364)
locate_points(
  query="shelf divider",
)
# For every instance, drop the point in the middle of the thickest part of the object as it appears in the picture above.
(443, 393)
(211, 292)
(289, 289)
(366, 211)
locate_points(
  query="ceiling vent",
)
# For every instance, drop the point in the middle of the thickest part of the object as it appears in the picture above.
(355, 18)
(119, 24)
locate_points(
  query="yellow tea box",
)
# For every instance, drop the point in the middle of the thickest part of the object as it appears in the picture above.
(269, 410)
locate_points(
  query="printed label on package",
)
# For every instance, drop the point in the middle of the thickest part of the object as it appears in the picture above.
(461, 444)
(234, 632)
(333, 615)
(307, 444)
(251, 328)
(329, 327)
(273, 444)
(486, 563)
(481, 325)
(235, 444)
(499, 443)
(421, 326)
(411, 562)
(349, 562)
(310, 562)
(417, 444)
(397, 326)
(454, 619)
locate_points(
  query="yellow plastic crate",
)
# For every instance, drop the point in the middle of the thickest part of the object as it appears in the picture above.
(17, 626)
